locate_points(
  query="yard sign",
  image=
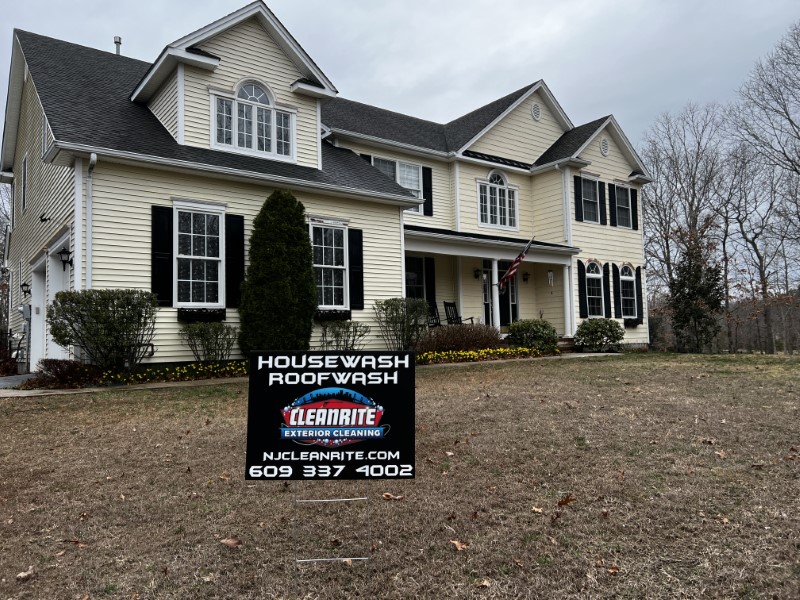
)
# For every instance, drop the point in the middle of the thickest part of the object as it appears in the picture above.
(331, 415)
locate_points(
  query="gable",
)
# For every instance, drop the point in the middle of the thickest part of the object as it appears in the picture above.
(612, 166)
(518, 136)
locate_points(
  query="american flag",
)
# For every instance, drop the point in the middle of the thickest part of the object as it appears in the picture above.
(512, 270)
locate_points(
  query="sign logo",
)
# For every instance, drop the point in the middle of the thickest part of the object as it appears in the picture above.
(332, 417)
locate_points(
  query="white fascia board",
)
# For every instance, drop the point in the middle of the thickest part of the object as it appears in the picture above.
(557, 164)
(305, 89)
(167, 164)
(16, 80)
(384, 143)
(271, 23)
(622, 142)
(165, 64)
(553, 104)
(477, 245)
(6, 177)
(487, 163)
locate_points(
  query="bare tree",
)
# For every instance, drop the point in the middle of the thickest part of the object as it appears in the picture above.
(767, 117)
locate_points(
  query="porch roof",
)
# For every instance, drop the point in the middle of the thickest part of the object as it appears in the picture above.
(479, 245)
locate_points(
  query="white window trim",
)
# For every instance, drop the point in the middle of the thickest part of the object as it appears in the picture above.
(596, 182)
(632, 279)
(333, 224)
(478, 183)
(273, 107)
(208, 208)
(602, 290)
(417, 210)
(630, 211)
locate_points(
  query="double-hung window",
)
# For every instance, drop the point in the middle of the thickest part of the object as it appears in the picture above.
(199, 245)
(623, 195)
(628, 292)
(594, 290)
(407, 175)
(329, 248)
(415, 277)
(250, 122)
(497, 203)
(591, 204)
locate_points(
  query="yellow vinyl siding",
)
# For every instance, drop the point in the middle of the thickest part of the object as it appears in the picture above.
(548, 207)
(50, 193)
(443, 202)
(518, 136)
(248, 52)
(123, 196)
(549, 300)
(471, 289)
(164, 105)
(603, 242)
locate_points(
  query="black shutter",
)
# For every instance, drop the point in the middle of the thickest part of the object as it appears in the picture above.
(430, 280)
(639, 299)
(607, 290)
(612, 204)
(366, 157)
(617, 293)
(601, 200)
(635, 208)
(582, 302)
(161, 254)
(355, 256)
(578, 200)
(234, 259)
(427, 191)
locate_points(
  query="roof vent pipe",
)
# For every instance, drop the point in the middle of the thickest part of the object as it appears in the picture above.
(118, 42)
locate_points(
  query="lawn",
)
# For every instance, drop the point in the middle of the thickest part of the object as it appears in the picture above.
(638, 476)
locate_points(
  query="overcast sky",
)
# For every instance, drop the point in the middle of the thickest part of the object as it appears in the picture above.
(438, 59)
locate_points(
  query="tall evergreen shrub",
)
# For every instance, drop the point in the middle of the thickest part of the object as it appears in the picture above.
(279, 296)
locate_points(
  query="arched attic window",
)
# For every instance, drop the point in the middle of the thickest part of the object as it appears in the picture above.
(250, 122)
(497, 202)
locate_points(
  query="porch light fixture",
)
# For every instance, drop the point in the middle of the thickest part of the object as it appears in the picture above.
(550, 278)
(526, 276)
(64, 255)
(477, 273)
(25, 288)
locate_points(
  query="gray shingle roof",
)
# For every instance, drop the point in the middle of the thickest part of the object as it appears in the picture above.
(570, 142)
(85, 95)
(347, 115)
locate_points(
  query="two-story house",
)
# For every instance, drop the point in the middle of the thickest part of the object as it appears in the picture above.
(129, 174)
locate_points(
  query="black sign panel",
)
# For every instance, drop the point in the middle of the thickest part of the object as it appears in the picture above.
(331, 415)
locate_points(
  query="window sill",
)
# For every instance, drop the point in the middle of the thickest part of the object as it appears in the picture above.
(497, 227)
(330, 314)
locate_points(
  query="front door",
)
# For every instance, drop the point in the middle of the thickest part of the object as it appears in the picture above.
(509, 311)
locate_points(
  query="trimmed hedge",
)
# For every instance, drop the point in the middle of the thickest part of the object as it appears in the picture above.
(459, 337)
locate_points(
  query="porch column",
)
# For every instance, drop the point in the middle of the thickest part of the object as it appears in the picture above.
(568, 328)
(495, 296)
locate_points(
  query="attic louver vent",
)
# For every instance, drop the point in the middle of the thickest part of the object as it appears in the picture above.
(536, 111)
(604, 147)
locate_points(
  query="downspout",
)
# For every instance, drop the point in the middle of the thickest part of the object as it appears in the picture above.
(92, 163)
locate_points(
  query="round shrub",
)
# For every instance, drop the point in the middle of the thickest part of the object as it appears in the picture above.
(599, 335)
(537, 334)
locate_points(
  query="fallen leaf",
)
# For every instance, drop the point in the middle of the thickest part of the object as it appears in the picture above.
(604, 513)
(599, 563)
(10, 521)
(85, 596)
(122, 497)
(25, 575)
(537, 510)
(613, 569)
(84, 516)
(709, 441)
(231, 542)
(620, 476)
(459, 545)
(134, 596)
(348, 562)
(724, 520)
(61, 553)
(450, 453)
(518, 562)
(484, 583)
(721, 453)
(336, 542)
(225, 476)
(388, 496)
(208, 422)
(566, 500)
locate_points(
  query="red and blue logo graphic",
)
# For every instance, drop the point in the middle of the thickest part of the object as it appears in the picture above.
(332, 417)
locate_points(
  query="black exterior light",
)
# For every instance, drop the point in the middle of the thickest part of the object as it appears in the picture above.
(25, 288)
(526, 276)
(64, 255)
(477, 273)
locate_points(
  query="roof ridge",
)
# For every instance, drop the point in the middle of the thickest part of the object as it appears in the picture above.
(520, 91)
(75, 44)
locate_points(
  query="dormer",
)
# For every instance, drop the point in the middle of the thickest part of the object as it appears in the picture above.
(241, 84)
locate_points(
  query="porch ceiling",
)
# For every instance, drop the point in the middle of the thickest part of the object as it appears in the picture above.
(456, 243)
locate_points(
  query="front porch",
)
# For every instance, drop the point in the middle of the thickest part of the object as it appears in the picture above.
(442, 266)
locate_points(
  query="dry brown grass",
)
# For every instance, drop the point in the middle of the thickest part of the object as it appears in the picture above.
(685, 474)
